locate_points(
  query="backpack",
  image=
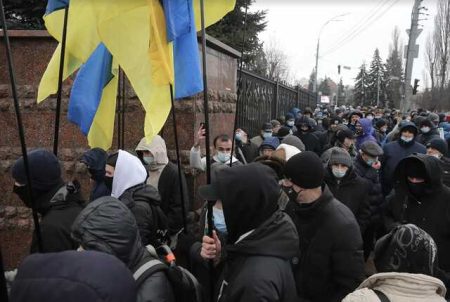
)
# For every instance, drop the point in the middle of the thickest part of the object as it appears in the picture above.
(185, 286)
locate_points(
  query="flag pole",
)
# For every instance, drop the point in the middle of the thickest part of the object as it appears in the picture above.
(60, 82)
(123, 110)
(239, 88)
(177, 147)
(3, 287)
(118, 111)
(207, 143)
(20, 126)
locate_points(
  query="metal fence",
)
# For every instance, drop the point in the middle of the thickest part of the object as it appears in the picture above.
(262, 100)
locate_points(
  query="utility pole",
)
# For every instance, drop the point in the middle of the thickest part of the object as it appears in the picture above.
(378, 89)
(412, 52)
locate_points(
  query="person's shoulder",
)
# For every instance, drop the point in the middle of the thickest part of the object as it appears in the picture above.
(361, 295)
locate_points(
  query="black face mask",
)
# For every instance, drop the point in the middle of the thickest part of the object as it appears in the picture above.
(417, 189)
(290, 192)
(109, 182)
(22, 192)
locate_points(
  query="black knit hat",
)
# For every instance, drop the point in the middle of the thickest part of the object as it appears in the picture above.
(305, 170)
(380, 123)
(112, 159)
(438, 144)
(406, 249)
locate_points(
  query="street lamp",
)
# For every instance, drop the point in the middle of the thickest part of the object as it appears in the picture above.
(334, 19)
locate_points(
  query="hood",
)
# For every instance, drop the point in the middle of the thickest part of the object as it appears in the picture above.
(95, 159)
(432, 167)
(249, 197)
(409, 285)
(366, 125)
(107, 225)
(276, 237)
(157, 147)
(128, 173)
(409, 125)
(289, 151)
(72, 276)
(295, 111)
(293, 140)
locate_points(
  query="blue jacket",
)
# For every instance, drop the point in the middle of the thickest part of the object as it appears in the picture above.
(368, 131)
(394, 152)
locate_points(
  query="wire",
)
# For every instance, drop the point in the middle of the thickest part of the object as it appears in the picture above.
(360, 30)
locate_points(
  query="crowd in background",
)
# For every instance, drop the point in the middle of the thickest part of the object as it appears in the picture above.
(301, 211)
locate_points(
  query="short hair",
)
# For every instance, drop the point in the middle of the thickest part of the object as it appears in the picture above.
(222, 138)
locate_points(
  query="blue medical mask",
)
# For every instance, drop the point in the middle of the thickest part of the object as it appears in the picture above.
(267, 134)
(238, 137)
(223, 157)
(338, 173)
(219, 221)
(149, 160)
(370, 162)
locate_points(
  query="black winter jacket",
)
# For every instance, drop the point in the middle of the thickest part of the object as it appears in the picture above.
(59, 209)
(144, 202)
(258, 267)
(331, 257)
(371, 175)
(247, 151)
(430, 212)
(425, 138)
(108, 226)
(353, 191)
(169, 189)
(311, 141)
(394, 152)
(445, 165)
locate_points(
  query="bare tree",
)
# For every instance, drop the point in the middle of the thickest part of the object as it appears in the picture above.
(430, 60)
(442, 41)
(277, 62)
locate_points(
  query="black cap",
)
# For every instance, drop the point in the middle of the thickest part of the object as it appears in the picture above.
(438, 144)
(305, 170)
(372, 149)
(267, 127)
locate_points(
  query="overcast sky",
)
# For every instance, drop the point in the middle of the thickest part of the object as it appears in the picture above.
(294, 26)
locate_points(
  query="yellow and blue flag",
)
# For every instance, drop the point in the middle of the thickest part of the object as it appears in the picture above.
(180, 25)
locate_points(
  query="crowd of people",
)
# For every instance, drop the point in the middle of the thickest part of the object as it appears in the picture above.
(301, 209)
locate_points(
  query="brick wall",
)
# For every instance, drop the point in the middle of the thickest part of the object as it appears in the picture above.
(31, 53)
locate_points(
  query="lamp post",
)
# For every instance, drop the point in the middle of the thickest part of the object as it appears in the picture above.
(318, 43)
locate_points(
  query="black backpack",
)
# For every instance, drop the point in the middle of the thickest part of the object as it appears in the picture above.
(184, 285)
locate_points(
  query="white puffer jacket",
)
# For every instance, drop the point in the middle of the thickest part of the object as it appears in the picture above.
(399, 287)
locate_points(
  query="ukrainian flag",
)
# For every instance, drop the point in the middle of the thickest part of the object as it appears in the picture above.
(154, 44)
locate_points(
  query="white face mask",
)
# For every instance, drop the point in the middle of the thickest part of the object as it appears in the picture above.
(425, 129)
(406, 139)
(338, 173)
(290, 123)
(438, 156)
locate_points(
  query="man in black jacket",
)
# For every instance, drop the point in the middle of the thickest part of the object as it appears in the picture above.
(420, 198)
(347, 186)
(438, 148)
(126, 176)
(305, 132)
(262, 241)
(245, 150)
(58, 203)
(331, 258)
(107, 225)
(428, 131)
(367, 165)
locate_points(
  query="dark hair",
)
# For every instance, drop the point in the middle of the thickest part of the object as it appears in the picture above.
(112, 159)
(222, 138)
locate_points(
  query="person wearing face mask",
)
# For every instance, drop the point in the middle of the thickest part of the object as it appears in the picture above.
(266, 131)
(95, 160)
(245, 150)
(305, 132)
(262, 240)
(395, 151)
(438, 148)
(347, 186)
(345, 139)
(421, 198)
(428, 131)
(290, 122)
(163, 175)
(364, 132)
(126, 177)
(380, 131)
(57, 202)
(220, 156)
(367, 165)
(354, 116)
(269, 146)
(331, 261)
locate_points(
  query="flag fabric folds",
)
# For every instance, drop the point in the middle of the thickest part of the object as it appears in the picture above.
(153, 41)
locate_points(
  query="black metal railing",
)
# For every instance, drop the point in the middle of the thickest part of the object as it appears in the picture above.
(262, 100)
